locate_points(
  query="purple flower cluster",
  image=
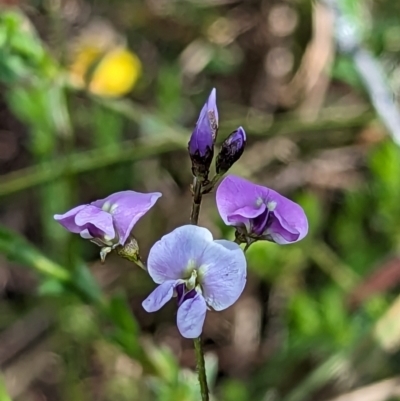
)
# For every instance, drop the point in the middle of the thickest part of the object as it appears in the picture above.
(202, 140)
(202, 273)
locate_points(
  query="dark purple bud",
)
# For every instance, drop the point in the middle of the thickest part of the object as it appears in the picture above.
(231, 150)
(201, 143)
(184, 294)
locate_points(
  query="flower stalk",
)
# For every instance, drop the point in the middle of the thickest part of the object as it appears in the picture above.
(198, 346)
(196, 202)
(201, 369)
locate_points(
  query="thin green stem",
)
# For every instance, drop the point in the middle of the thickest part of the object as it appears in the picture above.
(198, 347)
(201, 369)
(237, 241)
(196, 203)
(210, 186)
(247, 247)
(131, 151)
(82, 162)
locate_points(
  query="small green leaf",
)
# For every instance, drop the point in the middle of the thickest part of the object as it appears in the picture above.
(84, 281)
(121, 314)
(51, 287)
(3, 391)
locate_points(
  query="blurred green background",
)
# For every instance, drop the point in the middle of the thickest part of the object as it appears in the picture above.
(100, 96)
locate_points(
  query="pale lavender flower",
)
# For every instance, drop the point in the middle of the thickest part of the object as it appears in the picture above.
(201, 143)
(231, 150)
(259, 212)
(108, 222)
(201, 272)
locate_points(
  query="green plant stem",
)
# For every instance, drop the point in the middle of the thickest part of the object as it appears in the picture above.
(82, 162)
(196, 203)
(247, 247)
(198, 347)
(211, 185)
(201, 369)
(131, 151)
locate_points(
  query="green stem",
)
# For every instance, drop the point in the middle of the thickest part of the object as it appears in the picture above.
(198, 347)
(197, 198)
(247, 247)
(201, 369)
(240, 239)
(94, 159)
(210, 186)
(82, 162)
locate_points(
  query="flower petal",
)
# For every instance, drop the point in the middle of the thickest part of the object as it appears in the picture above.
(67, 220)
(239, 200)
(191, 316)
(249, 212)
(160, 296)
(97, 221)
(212, 105)
(222, 274)
(170, 257)
(290, 223)
(85, 234)
(127, 207)
(201, 140)
(204, 134)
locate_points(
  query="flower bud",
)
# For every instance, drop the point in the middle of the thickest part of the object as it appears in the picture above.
(201, 143)
(130, 250)
(231, 150)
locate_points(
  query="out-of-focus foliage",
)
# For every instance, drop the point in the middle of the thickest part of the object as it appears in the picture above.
(101, 96)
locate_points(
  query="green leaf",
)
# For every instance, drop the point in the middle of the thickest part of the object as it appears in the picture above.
(345, 71)
(164, 363)
(121, 313)
(313, 210)
(17, 249)
(83, 280)
(51, 287)
(4, 396)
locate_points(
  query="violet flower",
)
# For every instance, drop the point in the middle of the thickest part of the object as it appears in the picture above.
(201, 272)
(231, 150)
(259, 212)
(201, 143)
(108, 222)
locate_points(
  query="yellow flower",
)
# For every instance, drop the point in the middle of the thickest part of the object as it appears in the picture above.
(115, 74)
(101, 63)
(86, 57)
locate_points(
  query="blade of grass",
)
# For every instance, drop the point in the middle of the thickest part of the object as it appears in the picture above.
(367, 357)
(82, 162)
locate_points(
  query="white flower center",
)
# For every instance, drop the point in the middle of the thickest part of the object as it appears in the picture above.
(192, 277)
(271, 206)
(192, 281)
(109, 207)
(259, 201)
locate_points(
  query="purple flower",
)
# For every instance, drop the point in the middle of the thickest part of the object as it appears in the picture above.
(200, 272)
(259, 212)
(108, 222)
(231, 150)
(201, 143)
